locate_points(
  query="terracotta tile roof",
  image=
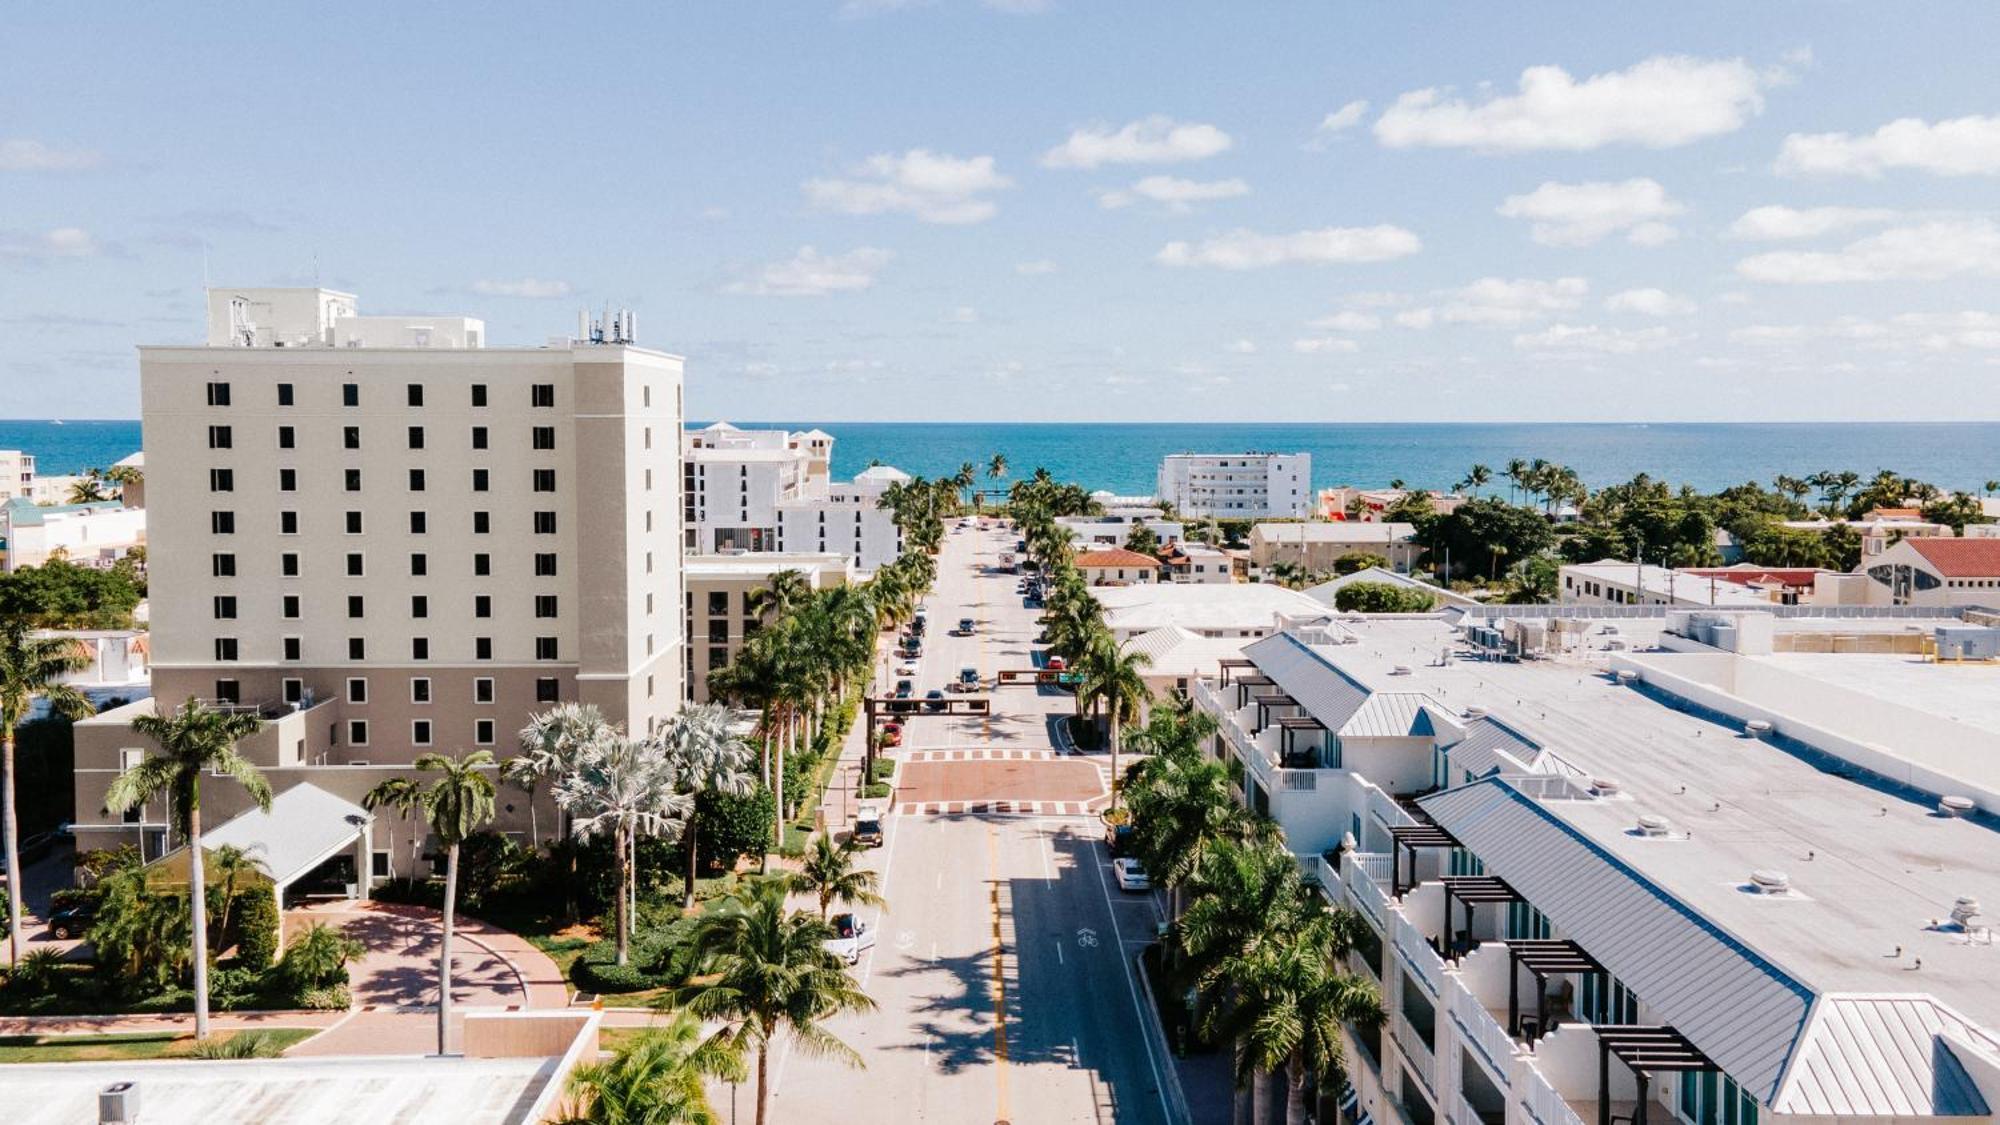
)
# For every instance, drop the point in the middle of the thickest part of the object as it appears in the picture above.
(1959, 558)
(1118, 557)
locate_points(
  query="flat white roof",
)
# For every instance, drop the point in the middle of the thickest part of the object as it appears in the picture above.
(1335, 531)
(758, 564)
(1201, 605)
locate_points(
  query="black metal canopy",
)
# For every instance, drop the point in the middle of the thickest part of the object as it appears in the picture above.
(1474, 889)
(1646, 1050)
(1422, 834)
(1543, 957)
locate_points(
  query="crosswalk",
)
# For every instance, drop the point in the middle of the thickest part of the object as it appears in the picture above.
(975, 754)
(990, 808)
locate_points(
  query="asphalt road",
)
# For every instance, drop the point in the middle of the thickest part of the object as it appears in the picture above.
(1002, 968)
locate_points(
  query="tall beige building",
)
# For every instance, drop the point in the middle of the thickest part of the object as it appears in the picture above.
(391, 539)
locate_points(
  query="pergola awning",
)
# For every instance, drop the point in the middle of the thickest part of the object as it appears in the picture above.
(1470, 890)
(1646, 1050)
(1545, 958)
(1411, 837)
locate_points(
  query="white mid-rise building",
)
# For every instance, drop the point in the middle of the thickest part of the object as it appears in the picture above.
(846, 518)
(17, 474)
(721, 599)
(734, 479)
(387, 538)
(1238, 485)
(95, 534)
(1640, 876)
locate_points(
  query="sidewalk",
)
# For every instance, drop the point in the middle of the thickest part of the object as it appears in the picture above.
(843, 790)
(161, 1022)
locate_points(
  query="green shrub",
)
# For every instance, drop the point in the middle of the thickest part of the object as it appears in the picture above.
(612, 977)
(256, 925)
(317, 959)
(234, 987)
(731, 827)
(876, 791)
(334, 999)
(883, 769)
(1381, 597)
(36, 974)
(242, 1045)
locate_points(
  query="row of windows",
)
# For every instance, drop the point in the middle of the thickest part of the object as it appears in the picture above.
(547, 689)
(224, 523)
(223, 565)
(546, 606)
(541, 395)
(224, 437)
(227, 649)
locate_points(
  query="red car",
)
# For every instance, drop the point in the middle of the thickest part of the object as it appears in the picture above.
(1056, 664)
(892, 734)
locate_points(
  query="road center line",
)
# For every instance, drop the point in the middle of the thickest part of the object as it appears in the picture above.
(999, 976)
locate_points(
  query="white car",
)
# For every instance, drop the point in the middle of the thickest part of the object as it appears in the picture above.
(852, 937)
(1131, 874)
(906, 671)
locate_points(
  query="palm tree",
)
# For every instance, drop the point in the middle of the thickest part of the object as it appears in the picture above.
(1476, 478)
(405, 796)
(767, 972)
(233, 866)
(996, 467)
(829, 874)
(1182, 813)
(31, 667)
(457, 804)
(194, 740)
(776, 598)
(551, 744)
(704, 758)
(1112, 677)
(1516, 473)
(625, 788)
(656, 1078)
(87, 489)
(1287, 1007)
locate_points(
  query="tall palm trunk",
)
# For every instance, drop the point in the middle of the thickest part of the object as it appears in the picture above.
(687, 886)
(1260, 1097)
(1239, 1098)
(621, 861)
(444, 946)
(13, 847)
(763, 1079)
(1295, 1089)
(198, 907)
(1114, 758)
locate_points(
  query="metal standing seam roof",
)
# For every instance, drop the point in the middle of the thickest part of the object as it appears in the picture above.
(1326, 693)
(1875, 1055)
(1489, 745)
(1739, 1008)
(1393, 714)
(306, 824)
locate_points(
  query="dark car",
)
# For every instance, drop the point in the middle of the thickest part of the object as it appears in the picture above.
(72, 921)
(1118, 837)
(934, 700)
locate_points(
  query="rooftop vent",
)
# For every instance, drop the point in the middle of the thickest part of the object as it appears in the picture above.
(1757, 728)
(1475, 711)
(1955, 805)
(1964, 911)
(1654, 826)
(1627, 676)
(1604, 786)
(1766, 881)
(1400, 670)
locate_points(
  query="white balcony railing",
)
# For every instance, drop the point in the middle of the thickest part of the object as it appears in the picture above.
(1418, 956)
(1542, 1102)
(1329, 878)
(1482, 1033)
(1357, 870)
(1423, 1063)
(1384, 809)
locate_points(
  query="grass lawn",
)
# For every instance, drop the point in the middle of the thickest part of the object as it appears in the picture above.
(146, 1045)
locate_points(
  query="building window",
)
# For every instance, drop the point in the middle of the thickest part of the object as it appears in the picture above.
(539, 395)
(288, 480)
(420, 732)
(718, 630)
(717, 658)
(420, 565)
(416, 391)
(222, 523)
(545, 605)
(225, 607)
(419, 523)
(545, 523)
(356, 606)
(482, 605)
(420, 606)
(482, 732)
(482, 523)
(284, 394)
(288, 523)
(357, 732)
(547, 690)
(545, 564)
(479, 437)
(482, 648)
(225, 648)
(718, 603)
(288, 607)
(288, 565)
(294, 650)
(545, 648)
(294, 690)
(479, 394)
(420, 648)
(357, 648)
(350, 394)
(545, 480)
(220, 437)
(354, 567)
(482, 565)
(416, 480)
(353, 480)
(350, 437)
(357, 690)
(543, 437)
(416, 437)
(482, 689)
(222, 480)
(479, 480)
(228, 691)
(287, 438)
(218, 394)
(354, 523)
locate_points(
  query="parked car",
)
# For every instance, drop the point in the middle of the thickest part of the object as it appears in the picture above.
(72, 921)
(1131, 874)
(934, 700)
(1118, 837)
(852, 937)
(906, 670)
(1056, 664)
(868, 826)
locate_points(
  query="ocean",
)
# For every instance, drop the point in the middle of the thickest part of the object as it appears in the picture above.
(1125, 457)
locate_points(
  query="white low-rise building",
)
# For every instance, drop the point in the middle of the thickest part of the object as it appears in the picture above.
(1238, 485)
(846, 518)
(1114, 527)
(17, 474)
(1611, 884)
(1244, 610)
(1933, 571)
(734, 480)
(1183, 561)
(1319, 544)
(94, 534)
(1611, 582)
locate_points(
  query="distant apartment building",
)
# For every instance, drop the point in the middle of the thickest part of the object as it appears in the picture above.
(721, 598)
(1196, 562)
(1344, 502)
(845, 518)
(1317, 546)
(17, 474)
(1238, 485)
(1612, 582)
(733, 481)
(387, 539)
(1116, 525)
(95, 534)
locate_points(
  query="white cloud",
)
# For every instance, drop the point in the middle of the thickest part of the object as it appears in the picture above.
(1173, 193)
(963, 314)
(1375, 299)
(1158, 139)
(1591, 338)
(23, 155)
(1765, 335)
(1512, 302)
(935, 187)
(1243, 347)
(1662, 102)
(1416, 318)
(1036, 268)
(521, 287)
(1347, 320)
(1324, 345)
(1583, 214)
(1247, 249)
(1649, 302)
(1968, 330)
(62, 242)
(1777, 223)
(1962, 146)
(1924, 252)
(810, 273)
(1339, 121)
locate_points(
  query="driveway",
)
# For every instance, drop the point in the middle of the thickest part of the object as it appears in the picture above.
(490, 968)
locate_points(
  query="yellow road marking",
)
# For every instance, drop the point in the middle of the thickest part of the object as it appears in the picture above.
(999, 976)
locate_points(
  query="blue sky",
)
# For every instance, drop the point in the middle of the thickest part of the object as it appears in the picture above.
(1022, 210)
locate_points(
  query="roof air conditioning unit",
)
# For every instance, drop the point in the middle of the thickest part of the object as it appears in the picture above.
(1964, 910)
(1766, 881)
(1654, 826)
(1604, 786)
(118, 1104)
(1400, 670)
